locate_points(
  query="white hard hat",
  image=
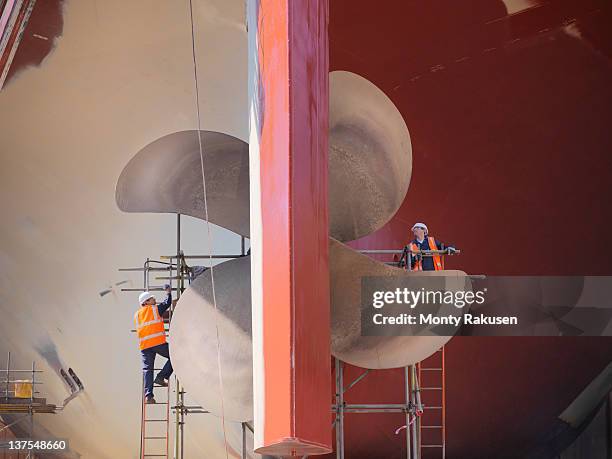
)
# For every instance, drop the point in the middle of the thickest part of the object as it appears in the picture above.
(420, 225)
(144, 296)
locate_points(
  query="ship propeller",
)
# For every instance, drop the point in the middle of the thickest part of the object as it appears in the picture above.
(370, 164)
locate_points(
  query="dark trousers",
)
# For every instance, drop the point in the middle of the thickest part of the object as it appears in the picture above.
(148, 364)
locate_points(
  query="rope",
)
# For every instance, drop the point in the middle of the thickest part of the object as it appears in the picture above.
(414, 417)
(208, 231)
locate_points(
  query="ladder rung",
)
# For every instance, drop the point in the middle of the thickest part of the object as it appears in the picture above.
(441, 369)
(155, 420)
(155, 438)
(155, 455)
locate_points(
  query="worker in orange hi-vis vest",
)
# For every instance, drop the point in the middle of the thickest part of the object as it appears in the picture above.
(422, 241)
(152, 339)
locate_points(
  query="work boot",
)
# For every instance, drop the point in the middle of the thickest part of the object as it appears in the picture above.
(161, 382)
(150, 400)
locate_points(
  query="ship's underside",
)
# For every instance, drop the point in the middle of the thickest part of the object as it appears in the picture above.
(508, 106)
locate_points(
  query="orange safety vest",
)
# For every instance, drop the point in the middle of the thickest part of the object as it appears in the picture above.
(149, 327)
(437, 259)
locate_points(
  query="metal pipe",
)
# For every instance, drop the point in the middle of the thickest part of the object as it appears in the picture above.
(6, 427)
(182, 422)
(177, 419)
(18, 380)
(418, 389)
(339, 410)
(24, 371)
(244, 450)
(8, 367)
(381, 251)
(177, 385)
(443, 405)
(413, 429)
(359, 378)
(32, 402)
(373, 410)
(165, 263)
(168, 419)
(428, 253)
(145, 285)
(373, 406)
(180, 418)
(202, 257)
(142, 416)
(178, 234)
(169, 268)
(431, 253)
(419, 406)
(408, 425)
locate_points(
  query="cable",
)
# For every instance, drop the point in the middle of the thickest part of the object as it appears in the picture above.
(209, 233)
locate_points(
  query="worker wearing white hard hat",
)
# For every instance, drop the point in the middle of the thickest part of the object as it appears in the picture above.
(423, 226)
(423, 242)
(151, 333)
(144, 296)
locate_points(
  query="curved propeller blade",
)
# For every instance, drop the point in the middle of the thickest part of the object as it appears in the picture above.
(166, 176)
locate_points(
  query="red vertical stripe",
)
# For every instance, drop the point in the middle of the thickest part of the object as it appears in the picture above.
(275, 158)
(293, 66)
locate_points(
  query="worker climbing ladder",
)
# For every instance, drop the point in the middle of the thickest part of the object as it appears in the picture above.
(431, 396)
(155, 418)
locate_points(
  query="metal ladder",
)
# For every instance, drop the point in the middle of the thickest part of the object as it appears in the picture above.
(160, 437)
(157, 439)
(432, 423)
(175, 269)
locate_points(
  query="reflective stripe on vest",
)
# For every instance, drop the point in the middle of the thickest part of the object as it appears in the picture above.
(437, 259)
(414, 249)
(149, 327)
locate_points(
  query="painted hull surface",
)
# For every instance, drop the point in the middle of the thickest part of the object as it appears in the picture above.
(118, 77)
(507, 105)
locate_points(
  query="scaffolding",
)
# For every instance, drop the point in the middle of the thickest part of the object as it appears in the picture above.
(413, 407)
(425, 412)
(176, 271)
(13, 401)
